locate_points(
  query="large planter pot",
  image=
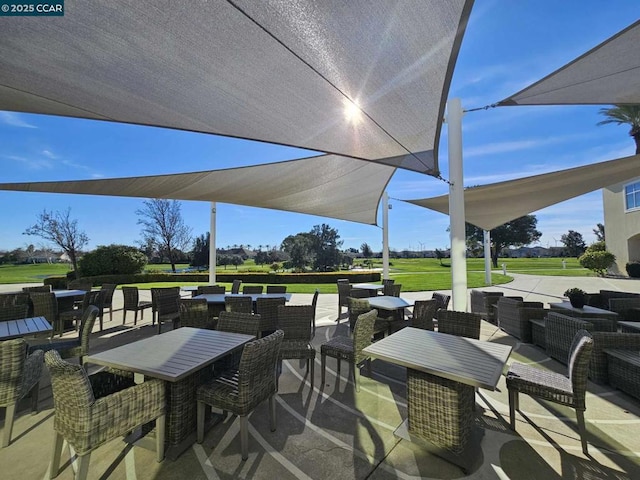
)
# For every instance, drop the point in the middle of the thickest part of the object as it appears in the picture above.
(577, 301)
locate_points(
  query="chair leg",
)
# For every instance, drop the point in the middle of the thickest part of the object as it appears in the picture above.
(244, 436)
(83, 466)
(111, 314)
(311, 362)
(323, 365)
(35, 391)
(272, 412)
(582, 430)
(368, 362)
(160, 434)
(56, 453)
(8, 424)
(124, 316)
(513, 400)
(356, 374)
(200, 422)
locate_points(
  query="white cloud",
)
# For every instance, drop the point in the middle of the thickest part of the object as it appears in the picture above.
(32, 163)
(14, 120)
(49, 154)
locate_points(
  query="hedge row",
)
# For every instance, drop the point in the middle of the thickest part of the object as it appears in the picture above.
(250, 277)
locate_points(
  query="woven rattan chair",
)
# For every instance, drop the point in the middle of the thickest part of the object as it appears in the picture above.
(514, 317)
(242, 390)
(75, 347)
(314, 304)
(10, 299)
(483, 303)
(210, 289)
(37, 289)
(235, 286)
(350, 349)
(462, 324)
(344, 289)
(92, 410)
(387, 281)
(166, 305)
(553, 386)
(13, 312)
(599, 365)
(441, 299)
(391, 289)
(194, 312)
(19, 376)
(423, 313)
(236, 322)
(356, 307)
(133, 304)
(248, 289)
(45, 305)
(238, 304)
(276, 289)
(80, 284)
(107, 290)
(267, 308)
(296, 323)
(75, 315)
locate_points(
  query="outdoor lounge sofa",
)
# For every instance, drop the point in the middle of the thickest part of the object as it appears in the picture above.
(619, 302)
(514, 314)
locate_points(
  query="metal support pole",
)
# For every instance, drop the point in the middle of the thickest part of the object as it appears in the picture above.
(385, 235)
(212, 245)
(487, 257)
(456, 207)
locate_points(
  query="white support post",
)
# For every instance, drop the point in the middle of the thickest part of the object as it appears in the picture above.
(487, 257)
(456, 207)
(212, 245)
(385, 235)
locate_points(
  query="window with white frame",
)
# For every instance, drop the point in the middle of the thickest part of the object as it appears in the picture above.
(632, 196)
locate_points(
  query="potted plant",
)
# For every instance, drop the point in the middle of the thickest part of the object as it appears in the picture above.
(576, 296)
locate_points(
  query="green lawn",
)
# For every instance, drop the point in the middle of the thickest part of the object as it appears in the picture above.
(414, 274)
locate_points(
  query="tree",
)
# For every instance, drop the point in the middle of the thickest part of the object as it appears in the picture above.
(326, 247)
(439, 255)
(164, 227)
(516, 233)
(200, 253)
(299, 247)
(624, 115)
(112, 260)
(573, 243)
(366, 250)
(597, 258)
(57, 227)
(599, 232)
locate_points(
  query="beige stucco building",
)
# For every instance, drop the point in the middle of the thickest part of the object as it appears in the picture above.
(622, 222)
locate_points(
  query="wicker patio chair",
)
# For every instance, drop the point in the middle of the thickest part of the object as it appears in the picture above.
(344, 289)
(296, 323)
(107, 290)
(242, 390)
(19, 376)
(462, 324)
(10, 299)
(236, 322)
(166, 305)
(210, 289)
(238, 304)
(75, 347)
(599, 365)
(37, 289)
(92, 410)
(423, 313)
(560, 330)
(194, 312)
(514, 315)
(483, 303)
(133, 304)
(276, 289)
(75, 315)
(13, 312)
(553, 386)
(45, 305)
(267, 308)
(356, 307)
(441, 299)
(627, 308)
(80, 284)
(235, 286)
(391, 289)
(387, 281)
(350, 349)
(248, 289)
(314, 304)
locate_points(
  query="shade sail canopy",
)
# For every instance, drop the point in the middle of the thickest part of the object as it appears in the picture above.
(328, 186)
(607, 74)
(490, 206)
(277, 71)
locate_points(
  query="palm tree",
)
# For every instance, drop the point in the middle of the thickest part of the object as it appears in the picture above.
(624, 114)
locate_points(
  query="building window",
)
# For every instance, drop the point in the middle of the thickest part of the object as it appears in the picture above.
(632, 196)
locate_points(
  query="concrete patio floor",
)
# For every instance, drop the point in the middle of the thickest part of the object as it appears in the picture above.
(333, 432)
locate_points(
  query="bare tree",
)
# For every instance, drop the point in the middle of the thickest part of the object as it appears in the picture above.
(163, 227)
(58, 228)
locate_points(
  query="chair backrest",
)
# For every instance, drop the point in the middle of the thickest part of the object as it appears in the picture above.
(235, 286)
(314, 302)
(462, 324)
(387, 281)
(267, 308)
(37, 289)
(194, 312)
(423, 313)
(131, 297)
(165, 300)
(89, 315)
(107, 293)
(295, 321)
(252, 289)
(363, 333)
(80, 284)
(579, 358)
(276, 289)
(95, 298)
(10, 299)
(344, 289)
(441, 299)
(45, 305)
(238, 322)
(356, 307)
(13, 312)
(12, 359)
(210, 289)
(391, 289)
(72, 392)
(238, 304)
(257, 369)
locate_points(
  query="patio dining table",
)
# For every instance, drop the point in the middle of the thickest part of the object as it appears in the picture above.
(218, 298)
(179, 357)
(24, 327)
(443, 372)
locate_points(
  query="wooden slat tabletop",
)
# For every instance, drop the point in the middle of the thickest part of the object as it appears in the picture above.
(465, 360)
(24, 327)
(172, 355)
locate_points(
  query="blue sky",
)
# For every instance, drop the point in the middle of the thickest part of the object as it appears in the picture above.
(507, 46)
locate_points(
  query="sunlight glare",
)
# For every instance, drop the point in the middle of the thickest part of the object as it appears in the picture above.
(352, 112)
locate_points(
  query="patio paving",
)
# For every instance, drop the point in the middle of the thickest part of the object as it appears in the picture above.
(333, 432)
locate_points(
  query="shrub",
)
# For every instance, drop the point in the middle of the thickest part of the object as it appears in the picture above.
(596, 247)
(112, 260)
(598, 261)
(633, 269)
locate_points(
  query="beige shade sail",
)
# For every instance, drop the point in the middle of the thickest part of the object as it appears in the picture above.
(607, 74)
(328, 186)
(490, 206)
(366, 79)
